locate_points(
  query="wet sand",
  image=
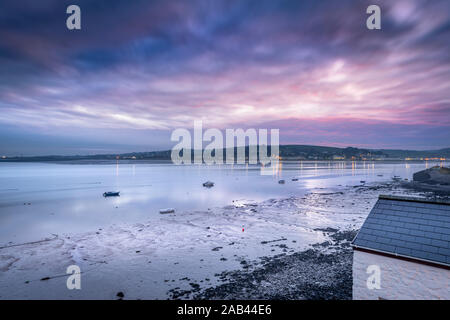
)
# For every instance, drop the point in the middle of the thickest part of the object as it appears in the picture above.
(324, 272)
(291, 248)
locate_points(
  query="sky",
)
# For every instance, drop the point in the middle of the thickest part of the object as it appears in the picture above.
(139, 69)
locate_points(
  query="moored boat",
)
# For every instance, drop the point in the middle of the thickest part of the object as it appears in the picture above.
(166, 211)
(111, 194)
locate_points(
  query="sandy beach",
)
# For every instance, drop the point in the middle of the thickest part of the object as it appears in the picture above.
(288, 248)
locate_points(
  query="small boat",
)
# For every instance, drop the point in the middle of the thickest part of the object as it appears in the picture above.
(166, 211)
(363, 181)
(111, 194)
(396, 178)
(208, 184)
(281, 181)
(294, 179)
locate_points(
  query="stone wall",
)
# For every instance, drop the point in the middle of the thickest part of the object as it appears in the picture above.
(400, 279)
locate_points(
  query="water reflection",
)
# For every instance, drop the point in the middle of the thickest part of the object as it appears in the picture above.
(68, 198)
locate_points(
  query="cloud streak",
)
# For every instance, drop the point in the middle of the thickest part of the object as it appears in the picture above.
(158, 65)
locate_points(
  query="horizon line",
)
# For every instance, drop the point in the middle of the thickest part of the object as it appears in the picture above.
(268, 145)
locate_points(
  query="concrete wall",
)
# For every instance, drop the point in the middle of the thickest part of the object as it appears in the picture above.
(399, 279)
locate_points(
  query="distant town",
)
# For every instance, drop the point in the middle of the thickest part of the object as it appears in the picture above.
(286, 152)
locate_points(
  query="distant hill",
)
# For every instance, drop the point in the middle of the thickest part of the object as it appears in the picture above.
(442, 153)
(287, 152)
(327, 153)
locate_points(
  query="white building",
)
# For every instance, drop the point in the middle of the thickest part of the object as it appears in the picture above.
(403, 251)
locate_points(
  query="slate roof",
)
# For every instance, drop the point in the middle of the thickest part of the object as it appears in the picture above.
(409, 227)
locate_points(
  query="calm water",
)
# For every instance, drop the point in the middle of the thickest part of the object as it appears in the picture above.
(41, 199)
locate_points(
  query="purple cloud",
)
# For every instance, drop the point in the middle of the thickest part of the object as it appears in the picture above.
(157, 65)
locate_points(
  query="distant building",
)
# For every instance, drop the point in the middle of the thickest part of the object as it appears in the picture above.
(404, 244)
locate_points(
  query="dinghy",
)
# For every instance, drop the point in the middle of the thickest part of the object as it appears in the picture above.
(208, 184)
(166, 211)
(111, 194)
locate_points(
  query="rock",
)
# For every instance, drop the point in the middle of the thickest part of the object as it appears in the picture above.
(208, 184)
(168, 210)
(195, 286)
(434, 175)
(421, 176)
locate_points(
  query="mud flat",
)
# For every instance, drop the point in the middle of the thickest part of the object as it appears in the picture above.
(323, 272)
(291, 248)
